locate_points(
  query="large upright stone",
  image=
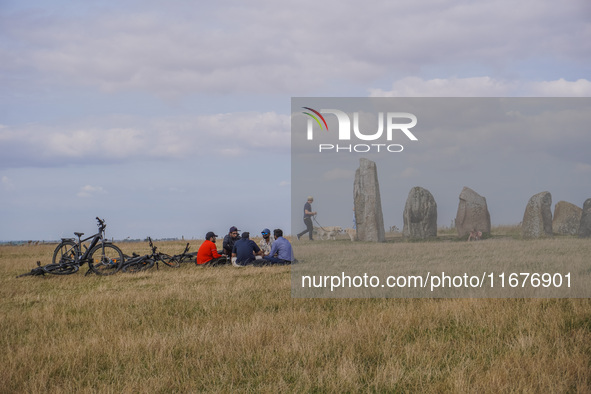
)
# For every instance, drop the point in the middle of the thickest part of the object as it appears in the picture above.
(368, 204)
(567, 218)
(420, 214)
(585, 224)
(537, 219)
(472, 213)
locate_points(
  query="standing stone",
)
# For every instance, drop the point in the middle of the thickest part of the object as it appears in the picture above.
(585, 225)
(420, 214)
(537, 219)
(368, 204)
(472, 213)
(567, 218)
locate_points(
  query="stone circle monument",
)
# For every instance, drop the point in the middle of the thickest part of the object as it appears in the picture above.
(472, 213)
(537, 218)
(368, 204)
(420, 214)
(585, 224)
(567, 218)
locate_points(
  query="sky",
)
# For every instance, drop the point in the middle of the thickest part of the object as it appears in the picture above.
(171, 119)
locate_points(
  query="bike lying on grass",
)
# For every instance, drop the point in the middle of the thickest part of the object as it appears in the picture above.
(178, 259)
(103, 257)
(138, 263)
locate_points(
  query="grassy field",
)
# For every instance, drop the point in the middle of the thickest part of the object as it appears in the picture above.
(228, 329)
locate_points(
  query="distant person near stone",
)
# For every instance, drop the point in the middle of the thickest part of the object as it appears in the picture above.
(475, 235)
(308, 215)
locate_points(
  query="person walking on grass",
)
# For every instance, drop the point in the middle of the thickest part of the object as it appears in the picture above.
(208, 254)
(308, 214)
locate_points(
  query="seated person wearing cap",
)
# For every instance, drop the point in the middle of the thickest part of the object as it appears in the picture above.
(266, 242)
(207, 253)
(229, 241)
(281, 251)
(245, 250)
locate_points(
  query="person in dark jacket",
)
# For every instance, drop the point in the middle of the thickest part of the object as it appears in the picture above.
(229, 241)
(308, 215)
(245, 251)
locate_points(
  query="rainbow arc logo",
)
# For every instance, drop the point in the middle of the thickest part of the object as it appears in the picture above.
(315, 118)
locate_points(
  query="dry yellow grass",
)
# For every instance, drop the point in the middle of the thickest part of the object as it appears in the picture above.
(228, 329)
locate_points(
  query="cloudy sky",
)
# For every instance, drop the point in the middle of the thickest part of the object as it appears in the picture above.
(172, 118)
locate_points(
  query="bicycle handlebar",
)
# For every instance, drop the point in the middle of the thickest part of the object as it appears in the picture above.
(154, 248)
(101, 223)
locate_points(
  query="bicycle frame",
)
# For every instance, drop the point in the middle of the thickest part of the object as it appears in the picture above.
(80, 258)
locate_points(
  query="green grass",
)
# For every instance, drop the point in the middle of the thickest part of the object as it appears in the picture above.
(227, 329)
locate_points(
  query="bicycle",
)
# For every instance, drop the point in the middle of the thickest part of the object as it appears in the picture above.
(102, 256)
(137, 263)
(55, 269)
(176, 260)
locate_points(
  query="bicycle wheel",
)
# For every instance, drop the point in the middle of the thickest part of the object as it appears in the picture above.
(64, 252)
(189, 258)
(170, 261)
(105, 259)
(141, 265)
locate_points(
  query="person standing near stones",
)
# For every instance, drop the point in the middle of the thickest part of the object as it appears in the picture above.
(308, 214)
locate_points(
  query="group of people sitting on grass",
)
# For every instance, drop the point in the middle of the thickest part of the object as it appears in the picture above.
(240, 250)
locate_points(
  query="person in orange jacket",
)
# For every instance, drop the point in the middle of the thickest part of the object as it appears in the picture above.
(208, 253)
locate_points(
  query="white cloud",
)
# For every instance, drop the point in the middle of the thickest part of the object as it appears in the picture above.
(583, 168)
(180, 50)
(7, 183)
(90, 191)
(410, 172)
(483, 87)
(116, 139)
(561, 88)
